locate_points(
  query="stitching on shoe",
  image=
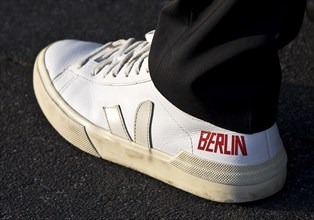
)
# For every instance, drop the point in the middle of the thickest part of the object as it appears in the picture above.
(123, 123)
(110, 84)
(191, 142)
(67, 85)
(149, 125)
(107, 119)
(148, 141)
(58, 75)
(121, 120)
(136, 116)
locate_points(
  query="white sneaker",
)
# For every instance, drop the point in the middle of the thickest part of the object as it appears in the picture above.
(102, 100)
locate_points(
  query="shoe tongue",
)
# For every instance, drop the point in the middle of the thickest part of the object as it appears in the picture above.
(149, 36)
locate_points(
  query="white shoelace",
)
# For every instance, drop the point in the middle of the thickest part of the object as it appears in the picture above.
(113, 56)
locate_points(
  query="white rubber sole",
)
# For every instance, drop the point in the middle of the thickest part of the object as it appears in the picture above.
(171, 170)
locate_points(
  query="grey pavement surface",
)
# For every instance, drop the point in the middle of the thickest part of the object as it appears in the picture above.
(44, 177)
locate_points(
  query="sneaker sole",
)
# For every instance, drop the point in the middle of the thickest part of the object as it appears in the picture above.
(183, 171)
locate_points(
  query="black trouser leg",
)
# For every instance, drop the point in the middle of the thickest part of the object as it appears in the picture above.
(217, 59)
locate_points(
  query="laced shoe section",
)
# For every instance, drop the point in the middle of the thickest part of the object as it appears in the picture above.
(114, 56)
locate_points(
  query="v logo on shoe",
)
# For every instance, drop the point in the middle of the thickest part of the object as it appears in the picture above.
(142, 125)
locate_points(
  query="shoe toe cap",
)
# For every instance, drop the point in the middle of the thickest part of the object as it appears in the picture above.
(62, 54)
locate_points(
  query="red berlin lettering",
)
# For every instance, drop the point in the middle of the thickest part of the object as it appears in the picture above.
(222, 143)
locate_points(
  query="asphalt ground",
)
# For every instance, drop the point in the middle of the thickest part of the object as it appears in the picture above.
(44, 177)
